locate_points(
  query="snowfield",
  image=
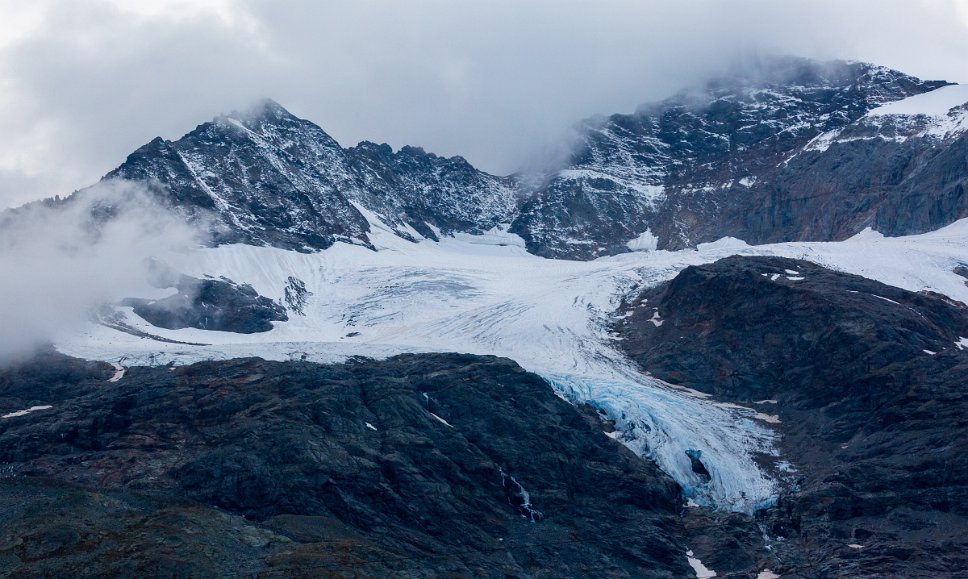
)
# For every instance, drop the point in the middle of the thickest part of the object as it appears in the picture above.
(935, 103)
(939, 114)
(486, 295)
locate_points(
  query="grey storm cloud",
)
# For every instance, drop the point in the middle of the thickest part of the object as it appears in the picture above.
(83, 83)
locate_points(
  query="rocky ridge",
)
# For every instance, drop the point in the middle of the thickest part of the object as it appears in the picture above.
(738, 157)
(266, 177)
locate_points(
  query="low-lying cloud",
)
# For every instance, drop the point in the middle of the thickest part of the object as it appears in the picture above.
(62, 261)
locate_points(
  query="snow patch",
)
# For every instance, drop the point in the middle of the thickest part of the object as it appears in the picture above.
(118, 372)
(867, 234)
(767, 574)
(441, 420)
(495, 236)
(644, 242)
(771, 418)
(821, 142)
(632, 177)
(26, 411)
(723, 244)
(370, 426)
(529, 512)
(885, 299)
(935, 103)
(701, 571)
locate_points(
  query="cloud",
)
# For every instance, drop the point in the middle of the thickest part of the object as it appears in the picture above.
(61, 261)
(83, 83)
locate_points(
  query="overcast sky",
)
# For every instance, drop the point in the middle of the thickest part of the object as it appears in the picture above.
(85, 82)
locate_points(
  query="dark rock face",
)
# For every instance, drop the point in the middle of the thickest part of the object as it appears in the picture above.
(417, 466)
(868, 383)
(296, 295)
(419, 189)
(886, 172)
(211, 304)
(702, 164)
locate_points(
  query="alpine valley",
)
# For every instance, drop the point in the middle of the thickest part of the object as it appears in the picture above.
(724, 336)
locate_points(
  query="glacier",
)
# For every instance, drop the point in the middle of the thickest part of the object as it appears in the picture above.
(486, 295)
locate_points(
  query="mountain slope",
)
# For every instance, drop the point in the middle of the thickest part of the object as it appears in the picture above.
(265, 177)
(866, 382)
(699, 166)
(901, 169)
(422, 466)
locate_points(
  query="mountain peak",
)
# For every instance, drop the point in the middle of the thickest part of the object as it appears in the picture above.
(263, 112)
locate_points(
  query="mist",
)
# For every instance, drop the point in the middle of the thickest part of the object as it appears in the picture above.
(62, 261)
(86, 82)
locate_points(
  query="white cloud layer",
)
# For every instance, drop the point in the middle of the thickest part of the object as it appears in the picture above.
(85, 82)
(59, 264)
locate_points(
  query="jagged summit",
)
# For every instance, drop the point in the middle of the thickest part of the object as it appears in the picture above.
(738, 157)
(274, 123)
(267, 177)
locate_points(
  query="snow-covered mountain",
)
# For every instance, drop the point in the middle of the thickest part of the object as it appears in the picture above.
(697, 167)
(705, 163)
(757, 156)
(265, 177)
(594, 276)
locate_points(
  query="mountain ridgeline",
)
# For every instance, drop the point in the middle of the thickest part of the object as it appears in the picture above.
(738, 157)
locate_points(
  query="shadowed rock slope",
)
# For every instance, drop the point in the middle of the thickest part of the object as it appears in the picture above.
(431, 465)
(868, 383)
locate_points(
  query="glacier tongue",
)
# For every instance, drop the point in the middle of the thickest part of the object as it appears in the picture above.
(489, 296)
(667, 424)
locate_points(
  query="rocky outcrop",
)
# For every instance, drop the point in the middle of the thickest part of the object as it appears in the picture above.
(262, 177)
(865, 383)
(425, 465)
(413, 189)
(211, 304)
